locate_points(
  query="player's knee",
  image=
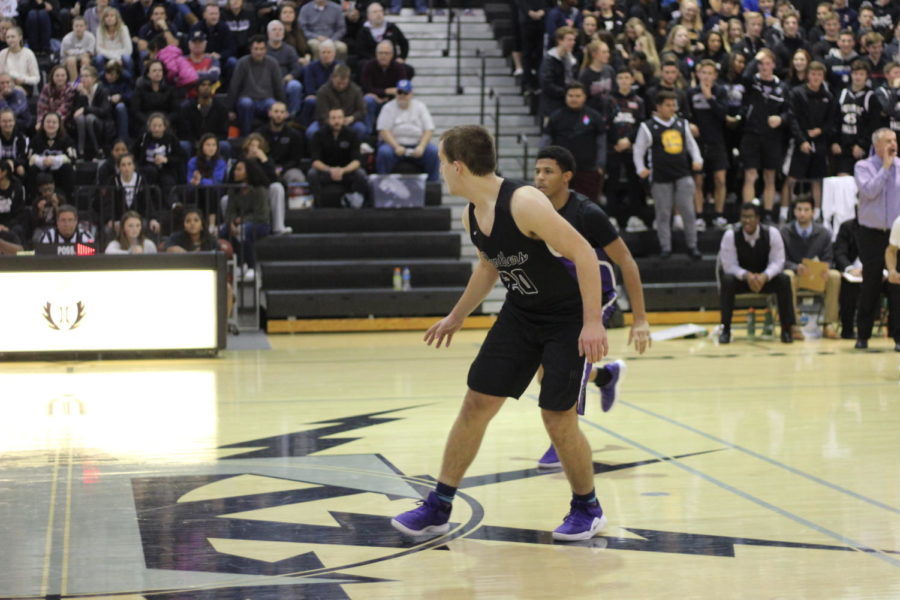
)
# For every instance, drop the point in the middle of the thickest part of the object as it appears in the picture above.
(478, 406)
(559, 423)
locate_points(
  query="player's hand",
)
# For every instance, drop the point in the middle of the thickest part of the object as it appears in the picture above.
(644, 174)
(445, 328)
(894, 277)
(640, 335)
(592, 343)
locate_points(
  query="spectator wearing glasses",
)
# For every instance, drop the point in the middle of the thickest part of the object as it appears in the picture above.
(379, 79)
(376, 30)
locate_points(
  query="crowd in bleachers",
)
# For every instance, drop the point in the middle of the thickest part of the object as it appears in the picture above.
(778, 93)
(692, 103)
(147, 107)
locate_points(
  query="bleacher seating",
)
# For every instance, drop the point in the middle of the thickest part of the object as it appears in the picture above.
(340, 263)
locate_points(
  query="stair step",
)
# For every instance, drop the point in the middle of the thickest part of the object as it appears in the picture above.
(337, 220)
(426, 44)
(508, 123)
(364, 245)
(361, 303)
(339, 274)
(424, 64)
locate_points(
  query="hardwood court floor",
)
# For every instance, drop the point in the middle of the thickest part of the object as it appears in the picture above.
(755, 470)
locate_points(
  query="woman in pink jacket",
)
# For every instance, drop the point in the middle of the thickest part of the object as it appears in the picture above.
(179, 70)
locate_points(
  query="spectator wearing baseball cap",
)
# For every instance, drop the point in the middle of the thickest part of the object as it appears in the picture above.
(379, 78)
(405, 129)
(207, 66)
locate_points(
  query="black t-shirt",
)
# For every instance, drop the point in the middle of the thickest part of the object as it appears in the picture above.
(335, 151)
(183, 240)
(12, 204)
(286, 147)
(709, 114)
(578, 132)
(591, 222)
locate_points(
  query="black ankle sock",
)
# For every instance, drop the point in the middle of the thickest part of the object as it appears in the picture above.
(603, 377)
(589, 498)
(445, 492)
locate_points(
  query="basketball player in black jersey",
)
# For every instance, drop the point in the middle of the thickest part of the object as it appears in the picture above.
(553, 171)
(549, 318)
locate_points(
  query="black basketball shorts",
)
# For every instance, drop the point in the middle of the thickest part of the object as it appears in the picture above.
(758, 152)
(514, 349)
(715, 157)
(808, 166)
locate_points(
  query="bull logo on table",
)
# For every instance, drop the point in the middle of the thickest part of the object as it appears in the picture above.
(64, 317)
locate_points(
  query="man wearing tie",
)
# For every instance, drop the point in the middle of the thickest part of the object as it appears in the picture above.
(804, 238)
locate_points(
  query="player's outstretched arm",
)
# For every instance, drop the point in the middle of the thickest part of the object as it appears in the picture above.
(481, 282)
(536, 217)
(631, 277)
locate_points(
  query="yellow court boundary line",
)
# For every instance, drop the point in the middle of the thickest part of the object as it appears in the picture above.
(67, 527)
(48, 541)
(478, 322)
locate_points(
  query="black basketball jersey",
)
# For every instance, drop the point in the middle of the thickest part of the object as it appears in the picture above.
(669, 156)
(537, 282)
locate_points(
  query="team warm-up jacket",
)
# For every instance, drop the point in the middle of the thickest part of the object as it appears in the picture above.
(763, 99)
(811, 110)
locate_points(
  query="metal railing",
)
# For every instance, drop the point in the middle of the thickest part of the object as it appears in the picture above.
(102, 205)
(526, 171)
(446, 50)
(459, 88)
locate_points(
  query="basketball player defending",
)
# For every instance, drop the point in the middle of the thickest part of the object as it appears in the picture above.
(549, 318)
(553, 170)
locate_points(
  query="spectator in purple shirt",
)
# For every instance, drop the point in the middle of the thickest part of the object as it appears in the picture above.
(878, 181)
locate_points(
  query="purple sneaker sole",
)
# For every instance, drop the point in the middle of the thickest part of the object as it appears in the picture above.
(596, 527)
(608, 392)
(431, 529)
(431, 517)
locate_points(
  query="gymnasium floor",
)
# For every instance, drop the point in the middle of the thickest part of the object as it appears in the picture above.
(755, 470)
